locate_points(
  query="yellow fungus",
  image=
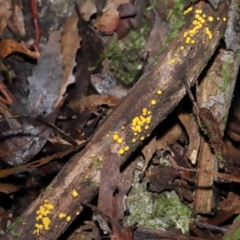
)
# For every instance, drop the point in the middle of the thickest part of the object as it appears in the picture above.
(135, 134)
(188, 39)
(39, 217)
(107, 135)
(134, 140)
(115, 136)
(74, 193)
(119, 140)
(126, 148)
(39, 226)
(49, 206)
(46, 213)
(46, 222)
(100, 159)
(121, 151)
(224, 19)
(159, 92)
(86, 176)
(153, 102)
(142, 138)
(182, 47)
(198, 11)
(123, 127)
(62, 215)
(175, 55)
(68, 219)
(218, 18)
(210, 18)
(45, 200)
(193, 41)
(204, 15)
(77, 213)
(146, 127)
(138, 128)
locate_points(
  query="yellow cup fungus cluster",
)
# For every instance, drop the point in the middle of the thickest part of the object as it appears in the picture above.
(200, 22)
(64, 215)
(42, 217)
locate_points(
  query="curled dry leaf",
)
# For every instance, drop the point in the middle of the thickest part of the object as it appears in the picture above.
(9, 46)
(5, 14)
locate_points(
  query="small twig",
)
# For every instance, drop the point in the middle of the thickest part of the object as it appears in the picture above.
(36, 26)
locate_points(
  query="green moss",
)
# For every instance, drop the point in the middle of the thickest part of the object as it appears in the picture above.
(159, 211)
(11, 230)
(125, 56)
(98, 164)
(226, 74)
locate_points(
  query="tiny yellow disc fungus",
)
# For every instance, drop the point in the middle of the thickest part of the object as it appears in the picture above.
(74, 193)
(153, 102)
(134, 140)
(68, 219)
(224, 19)
(115, 136)
(142, 138)
(159, 92)
(62, 215)
(210, 18)
(119, 140)
(126, 148)
(121, 151)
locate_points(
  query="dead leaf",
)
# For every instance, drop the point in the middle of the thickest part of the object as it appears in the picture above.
(9, 46)
(38, 163)
(70, 43)
(109, 19)
(18, 19)
(45, 82)
(8, 188)
(87, 9)
(5, 14)
(148, 151)
(92, 102)
(105, 84)
(157, 37)
(189, 122)
(170, 136)
(23, 141)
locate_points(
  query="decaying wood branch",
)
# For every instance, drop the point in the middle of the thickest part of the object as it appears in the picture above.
(215, 94)
(82, 173)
